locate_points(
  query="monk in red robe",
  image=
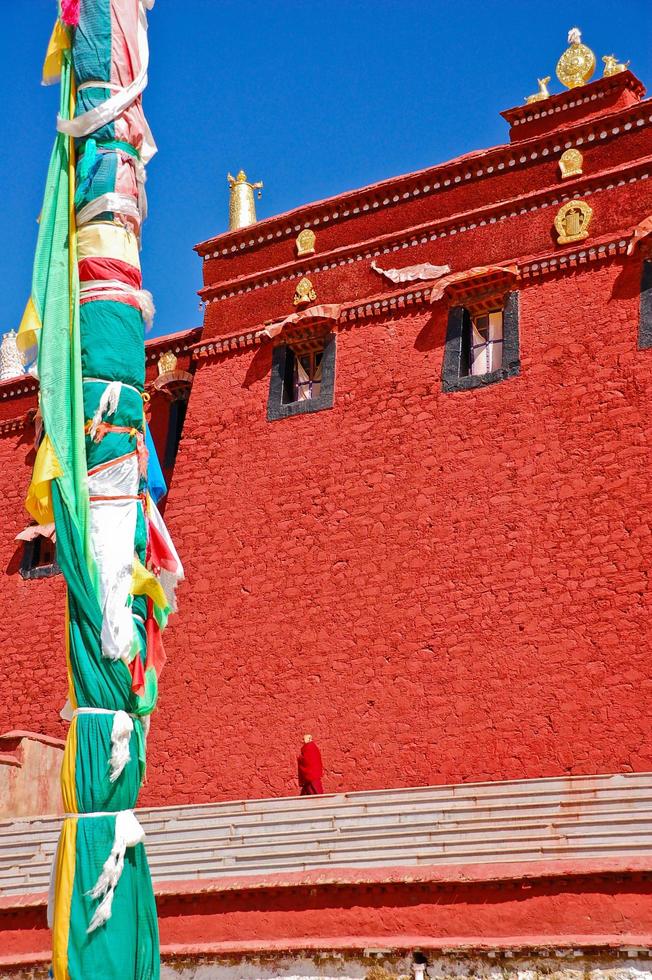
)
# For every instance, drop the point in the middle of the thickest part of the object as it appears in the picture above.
(310, 768)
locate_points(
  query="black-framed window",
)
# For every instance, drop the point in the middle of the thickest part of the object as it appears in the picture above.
(645, 318)
(176, 418)
(481, 348)
(39, 558)
(302, 378)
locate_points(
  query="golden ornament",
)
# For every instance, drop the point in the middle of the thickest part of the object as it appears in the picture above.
(570, 163)
(572, 222)
(242, 207)
(542, 94)
(612, 66)
(166, 363)
(305, 292)
(306, 242)
(577, 63)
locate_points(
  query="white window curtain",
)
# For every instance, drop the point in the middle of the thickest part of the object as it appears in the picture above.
(307, 377)
(487, 343)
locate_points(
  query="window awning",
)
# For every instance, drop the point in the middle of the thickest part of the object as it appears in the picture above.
(325, 311)
(478, 287)
(34, 531)
(642, 230)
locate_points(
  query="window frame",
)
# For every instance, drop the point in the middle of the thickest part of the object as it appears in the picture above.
(282, 375)
(457, 348)
(29, 570)
(176, 420)
(645, 310)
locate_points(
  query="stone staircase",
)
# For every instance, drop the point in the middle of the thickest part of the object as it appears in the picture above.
(528, 820)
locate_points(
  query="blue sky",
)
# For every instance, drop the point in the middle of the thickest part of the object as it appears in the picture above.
(312, 96)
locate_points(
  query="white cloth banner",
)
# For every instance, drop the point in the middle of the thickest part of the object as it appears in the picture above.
(109, 110)
(113, 530)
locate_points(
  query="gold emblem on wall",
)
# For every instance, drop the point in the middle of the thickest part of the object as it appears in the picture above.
(305, 292)
(306, 242)
(167, 362)
(572, 222)
(577, 63)
(612, 66)
(570, 163)
(543, 92)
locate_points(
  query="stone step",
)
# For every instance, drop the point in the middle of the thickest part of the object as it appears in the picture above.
(494, 832)
(29, 845)
(352, 805)
(353, 814)
(459, 815)
(578, 791)
(559, 786)
(387, 857)
(38, 881)
(632, 830)
(399, 843)
(518, 820)
(23, 832)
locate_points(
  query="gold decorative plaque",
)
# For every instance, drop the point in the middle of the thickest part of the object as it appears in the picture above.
(543, 92)
(305, 292)
(577, 63)
(612, 66)
(570, 163)
(167, 362)
(306, 242)
(572, 222)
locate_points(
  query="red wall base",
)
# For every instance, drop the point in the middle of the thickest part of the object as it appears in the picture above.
(492, 907)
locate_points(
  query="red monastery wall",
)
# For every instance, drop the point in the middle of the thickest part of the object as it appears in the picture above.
(32, 642)
(441, 587)
(32, 657)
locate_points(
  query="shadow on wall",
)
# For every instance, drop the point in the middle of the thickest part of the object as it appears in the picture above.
(260, 366)
(433, 334)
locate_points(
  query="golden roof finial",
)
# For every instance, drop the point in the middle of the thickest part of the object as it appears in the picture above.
(242, 208)
(543, 92)
(577, 63)
(612, 66)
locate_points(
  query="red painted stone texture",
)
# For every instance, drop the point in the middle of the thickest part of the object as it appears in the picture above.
(591, 910)
(32, 652)
(439, 587)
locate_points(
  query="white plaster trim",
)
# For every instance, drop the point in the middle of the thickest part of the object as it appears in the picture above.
(553, 199)
(454, 172)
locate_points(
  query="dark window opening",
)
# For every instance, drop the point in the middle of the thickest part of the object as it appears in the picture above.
(176, 419)
(481, 348)
(39, 559)
(302, 378)
(645, 319)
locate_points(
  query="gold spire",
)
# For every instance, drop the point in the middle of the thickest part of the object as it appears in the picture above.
(577, 63)
(242, 208)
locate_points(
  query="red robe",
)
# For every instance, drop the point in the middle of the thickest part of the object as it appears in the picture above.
(310, 770)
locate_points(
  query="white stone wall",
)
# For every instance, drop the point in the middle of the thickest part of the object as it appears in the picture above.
(561, 965)
(549, 965)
